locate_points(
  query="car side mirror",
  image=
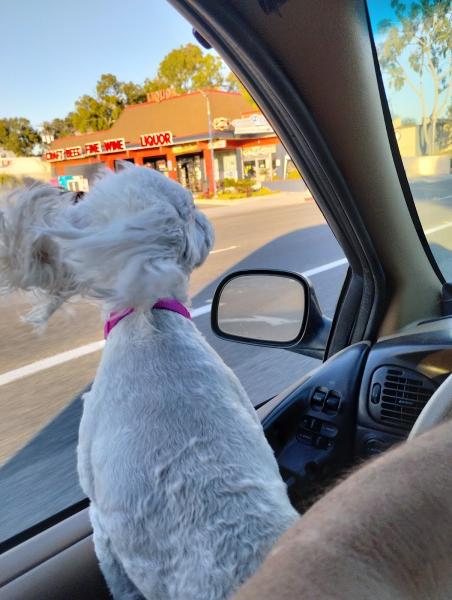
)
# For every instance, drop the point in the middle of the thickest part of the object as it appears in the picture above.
(277, 309)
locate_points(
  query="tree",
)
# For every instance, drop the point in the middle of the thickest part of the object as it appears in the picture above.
(418, 50)
(57, 128)
(235, 85)
(94, 113)
(186, 69)
(18, 136)
(133, 93)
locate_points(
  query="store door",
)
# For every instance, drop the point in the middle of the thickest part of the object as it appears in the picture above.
(189, 171)
(156, 162)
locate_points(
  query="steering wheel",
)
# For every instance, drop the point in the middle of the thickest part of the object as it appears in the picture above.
(437, 409)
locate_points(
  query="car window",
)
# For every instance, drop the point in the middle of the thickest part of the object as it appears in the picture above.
(413, 41)
(76, 113)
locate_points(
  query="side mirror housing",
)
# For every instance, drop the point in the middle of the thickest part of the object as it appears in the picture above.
(266, 307)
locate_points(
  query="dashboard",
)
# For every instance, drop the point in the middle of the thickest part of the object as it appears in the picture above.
(357, 404)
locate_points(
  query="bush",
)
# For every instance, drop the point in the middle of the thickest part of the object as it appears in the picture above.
(228, 182)
(9, 181)
(265, 191)
(244, 186)
(236, 195)
(233, 189)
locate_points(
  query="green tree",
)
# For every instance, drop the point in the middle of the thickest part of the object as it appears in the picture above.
(18, 136)
(133, 93)
(57, 128)
(417, 51)
(233, 84)
(94, 113)
(186, 69)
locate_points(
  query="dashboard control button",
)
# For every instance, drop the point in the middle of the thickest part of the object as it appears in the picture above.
(307, 437)
(323, 443)
(318, 398)
(332, 403)
(328, 430)
(306, 422)
(375, 394)
(311, 423)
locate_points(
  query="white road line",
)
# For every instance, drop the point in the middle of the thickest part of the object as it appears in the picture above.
(327, 267)
(202, 310)
(62, 357)
(438, 228)
(223, 249)
(59, 359)
(51, 361)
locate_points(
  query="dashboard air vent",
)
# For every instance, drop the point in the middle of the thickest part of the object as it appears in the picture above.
(397, 396)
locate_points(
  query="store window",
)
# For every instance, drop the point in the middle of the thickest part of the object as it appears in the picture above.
(190, 172)
(156, 162)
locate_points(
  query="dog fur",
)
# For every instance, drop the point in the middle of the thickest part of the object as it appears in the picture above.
(186, 496)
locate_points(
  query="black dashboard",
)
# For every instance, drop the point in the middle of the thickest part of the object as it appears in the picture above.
(355, 405)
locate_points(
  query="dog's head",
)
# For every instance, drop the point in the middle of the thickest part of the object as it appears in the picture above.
(135, 237)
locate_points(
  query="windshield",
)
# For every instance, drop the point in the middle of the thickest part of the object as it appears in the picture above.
(414, 49)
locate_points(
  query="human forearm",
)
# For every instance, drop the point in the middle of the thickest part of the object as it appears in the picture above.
(385, 532)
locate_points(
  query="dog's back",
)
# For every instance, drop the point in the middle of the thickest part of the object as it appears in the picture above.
(176, 463)
(186, 494)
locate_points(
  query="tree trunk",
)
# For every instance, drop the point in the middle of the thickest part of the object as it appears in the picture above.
(423, 138)
(433, 144)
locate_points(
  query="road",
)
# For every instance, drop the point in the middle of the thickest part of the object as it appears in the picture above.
(264, 234)
(284, 231)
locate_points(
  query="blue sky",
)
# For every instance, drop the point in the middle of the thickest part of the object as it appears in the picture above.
(54, 51)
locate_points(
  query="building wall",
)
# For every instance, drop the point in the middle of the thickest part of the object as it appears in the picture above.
(417, 165)
(25, 166)
(425, 166)
(406, 137)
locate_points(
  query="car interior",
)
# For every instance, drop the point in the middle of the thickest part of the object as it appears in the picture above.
(313, 70)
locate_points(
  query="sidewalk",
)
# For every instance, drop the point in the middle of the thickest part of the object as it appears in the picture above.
(218, 208)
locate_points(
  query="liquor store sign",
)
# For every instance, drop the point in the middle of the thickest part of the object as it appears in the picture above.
(155, 140)
(147, 140)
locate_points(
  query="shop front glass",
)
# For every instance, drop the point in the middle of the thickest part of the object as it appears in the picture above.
(156, 162)
(189, 171)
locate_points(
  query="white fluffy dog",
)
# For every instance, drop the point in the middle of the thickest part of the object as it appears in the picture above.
(186, 497)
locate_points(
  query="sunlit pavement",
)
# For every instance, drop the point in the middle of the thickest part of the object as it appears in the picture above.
(282, 231)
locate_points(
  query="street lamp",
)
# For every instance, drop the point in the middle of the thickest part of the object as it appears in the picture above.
(209, 122)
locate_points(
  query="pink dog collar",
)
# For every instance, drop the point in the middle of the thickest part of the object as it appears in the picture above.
(162, 304)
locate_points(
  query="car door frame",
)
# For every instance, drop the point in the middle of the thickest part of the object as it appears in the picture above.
(374, 296)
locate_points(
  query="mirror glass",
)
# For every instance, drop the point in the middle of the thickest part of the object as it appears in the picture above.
(262, 307)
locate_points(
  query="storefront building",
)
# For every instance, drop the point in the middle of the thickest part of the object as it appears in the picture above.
(171, 133)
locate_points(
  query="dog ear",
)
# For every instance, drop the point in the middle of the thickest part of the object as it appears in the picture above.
(29, 258)
(200, 240)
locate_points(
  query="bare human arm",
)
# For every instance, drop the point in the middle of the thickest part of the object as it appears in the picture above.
(385, 533)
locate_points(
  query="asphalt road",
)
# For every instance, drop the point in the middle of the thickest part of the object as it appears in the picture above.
(261, 234)
(283, 231)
